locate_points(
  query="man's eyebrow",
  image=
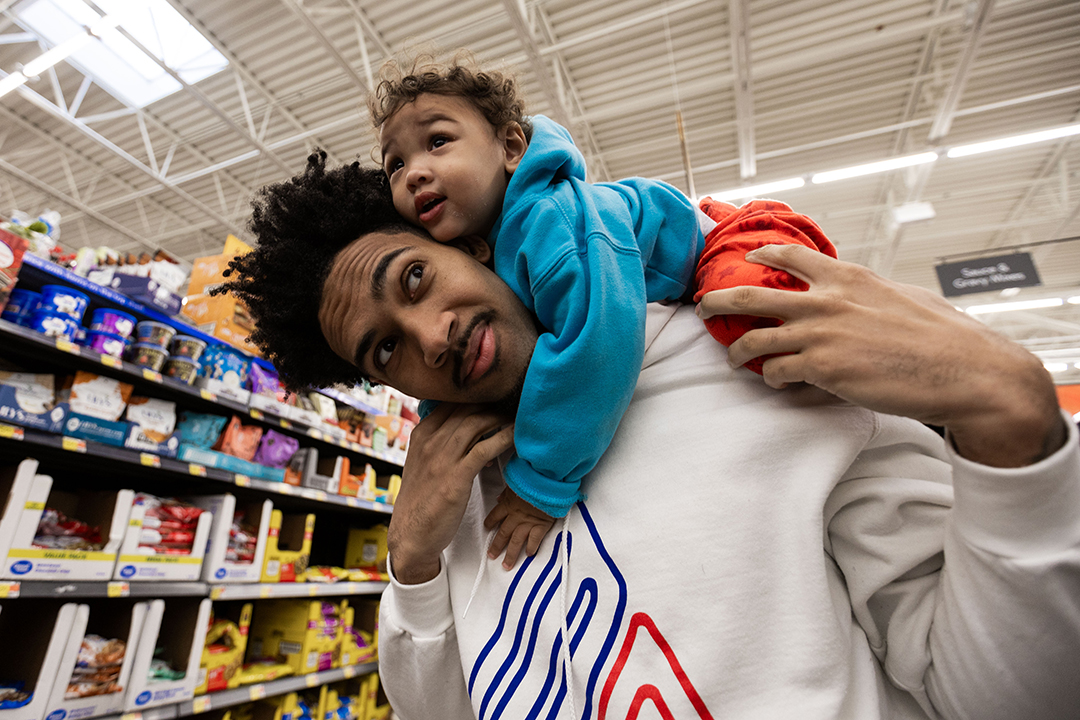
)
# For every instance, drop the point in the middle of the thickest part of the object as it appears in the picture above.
(378, 285)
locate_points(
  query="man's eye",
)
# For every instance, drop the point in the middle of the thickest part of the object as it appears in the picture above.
(413, 278)
(384, 352)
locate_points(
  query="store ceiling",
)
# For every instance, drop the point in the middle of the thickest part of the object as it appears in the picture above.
(767, 90)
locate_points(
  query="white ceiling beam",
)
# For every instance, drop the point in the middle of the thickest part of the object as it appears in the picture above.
(317, 32)
(739, 35)
(540, 69)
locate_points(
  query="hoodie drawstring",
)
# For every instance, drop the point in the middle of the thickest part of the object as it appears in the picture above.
(480, 572)
(563, 596)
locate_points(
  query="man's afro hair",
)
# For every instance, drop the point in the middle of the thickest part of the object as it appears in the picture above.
(301, 225)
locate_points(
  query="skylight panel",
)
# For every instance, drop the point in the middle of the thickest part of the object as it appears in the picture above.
(115, 63)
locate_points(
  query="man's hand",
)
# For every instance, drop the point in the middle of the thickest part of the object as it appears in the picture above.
(520, 526)
(446, 451)
(897, 349)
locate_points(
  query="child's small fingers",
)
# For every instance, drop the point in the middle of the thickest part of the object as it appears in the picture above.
(496, 516)
(536, 536)
(514, 547)
(499, 542)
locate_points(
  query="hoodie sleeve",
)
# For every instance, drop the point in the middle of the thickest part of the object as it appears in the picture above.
(969, 593)
(590, 294)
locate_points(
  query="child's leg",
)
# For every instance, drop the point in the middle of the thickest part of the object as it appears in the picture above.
(723, 265)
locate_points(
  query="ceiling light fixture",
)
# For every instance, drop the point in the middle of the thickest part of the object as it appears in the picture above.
(57, 53)
(1018, 305)
(758, 190)
(1014, 141)
(874, 167)
(1056, 367)
(10, 82)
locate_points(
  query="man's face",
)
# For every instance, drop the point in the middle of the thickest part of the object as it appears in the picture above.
(428, 319)
(448, 167)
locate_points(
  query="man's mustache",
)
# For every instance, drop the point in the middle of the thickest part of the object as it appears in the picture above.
(462, 347)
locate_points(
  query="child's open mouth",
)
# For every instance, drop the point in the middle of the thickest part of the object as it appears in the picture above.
(428, 206)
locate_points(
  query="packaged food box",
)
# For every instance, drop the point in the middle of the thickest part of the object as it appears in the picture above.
(209, 271)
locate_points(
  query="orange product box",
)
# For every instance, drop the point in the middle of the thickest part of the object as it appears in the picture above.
(210, 270)
(204, 309)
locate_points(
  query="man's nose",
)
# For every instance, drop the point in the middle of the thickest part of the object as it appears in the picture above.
(434, 334)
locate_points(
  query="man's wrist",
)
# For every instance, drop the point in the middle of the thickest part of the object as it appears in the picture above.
(414, 571)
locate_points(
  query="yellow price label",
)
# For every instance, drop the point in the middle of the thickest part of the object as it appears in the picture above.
(256, 414)
(200, 704)
(284, 423)
(242, 480)
(352, 502)
(197, 469)
(257, 692)
(135, 522)
(113, 362)
(9, 590)
(150, 460)
(320, 495)
(350, 672)
(67, 346)
(264, 591)
(73, 444)
(117, 589)
(216, 592)
(311, 679)
(312, 590)
(315, 434)
(151, 375)
(207, 395)
(31, 505)
(285, 489)
(131, 716)
(11, 432)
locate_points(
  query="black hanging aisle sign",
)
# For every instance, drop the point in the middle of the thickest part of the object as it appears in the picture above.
(988, 273)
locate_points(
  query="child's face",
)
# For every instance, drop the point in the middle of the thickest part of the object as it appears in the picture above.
(448, 167)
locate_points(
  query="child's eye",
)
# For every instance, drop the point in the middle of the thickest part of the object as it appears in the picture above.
(384, 352)
(413, 278)
(438, 141)
(393, 166)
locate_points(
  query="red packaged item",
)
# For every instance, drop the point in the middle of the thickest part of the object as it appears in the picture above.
(57, 531)
(239, 440)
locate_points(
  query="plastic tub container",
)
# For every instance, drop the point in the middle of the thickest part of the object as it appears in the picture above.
(181, 368)
(154, 333)
(106, 343)
(62, 299)
(21, 305)
(113, 322)
(54, 324)
(148, 355)
(186, 346)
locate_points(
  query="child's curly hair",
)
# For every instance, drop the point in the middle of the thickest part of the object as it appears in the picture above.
(301, 225)
(494, 93)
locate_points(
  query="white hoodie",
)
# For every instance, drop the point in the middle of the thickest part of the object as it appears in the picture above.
(747, 553)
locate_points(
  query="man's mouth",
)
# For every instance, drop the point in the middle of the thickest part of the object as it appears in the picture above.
(428, 206)
(476, 353)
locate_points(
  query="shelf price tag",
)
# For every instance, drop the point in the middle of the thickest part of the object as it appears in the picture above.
(67, 346)
(320, 495)
(197, 469)
(207, 395)
(9, 590)
(313, 433)
(312, 590)
(352, 502)
(257, 692)
(257, 414)
(113, 362)
(285, 489)
(284, 423)
(131, 716)
(264, 592)
(151, 375)
(242, 480)
(117, 589)
(216, 592)
(11, 432)
(200, 704)
(350, 671)
(150, 460)
(311, 679)
(73, 444)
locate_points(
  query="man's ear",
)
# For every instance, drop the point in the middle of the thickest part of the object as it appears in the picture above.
(514, 144)
(473, 245)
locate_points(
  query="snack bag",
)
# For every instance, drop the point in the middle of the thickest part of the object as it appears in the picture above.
(157, 418)
(276, 449)
(200, 429)
(239, 440)
(99, 397)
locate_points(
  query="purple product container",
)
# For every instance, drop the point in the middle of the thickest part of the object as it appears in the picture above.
(62, 299)
(154, 333)
(187, 347)
(148, 355)
(181, 368)
(106, 343)
(54, 324)
(112, 321)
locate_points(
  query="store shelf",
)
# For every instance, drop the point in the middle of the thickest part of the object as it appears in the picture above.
(55, 350)
(62, 443)
(161, 712)
(12, 589)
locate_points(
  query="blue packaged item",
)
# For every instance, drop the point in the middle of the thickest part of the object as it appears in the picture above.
(229, 366)
(200, 429)
(62, 299)
(54, 324)
(111, 321)
(21, 305)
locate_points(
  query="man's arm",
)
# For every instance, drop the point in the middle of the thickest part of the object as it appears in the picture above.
(901, 350)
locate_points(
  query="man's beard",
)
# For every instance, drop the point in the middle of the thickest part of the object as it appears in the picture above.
(507, 404)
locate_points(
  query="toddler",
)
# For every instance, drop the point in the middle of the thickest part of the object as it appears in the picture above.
(464, 159)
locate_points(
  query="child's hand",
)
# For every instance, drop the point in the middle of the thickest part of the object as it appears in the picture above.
(520, 526)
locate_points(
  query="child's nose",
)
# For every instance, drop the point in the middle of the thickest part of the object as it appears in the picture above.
(417, 175)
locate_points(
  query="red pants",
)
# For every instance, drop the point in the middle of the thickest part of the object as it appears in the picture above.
(723, 264)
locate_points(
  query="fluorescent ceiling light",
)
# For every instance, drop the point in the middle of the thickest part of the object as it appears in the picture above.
(11, 82)
(1074, 300)
(874, 167)
(1056, 367)
(115, 63)
(1018, 305)
(1014, 141)
(758, 190)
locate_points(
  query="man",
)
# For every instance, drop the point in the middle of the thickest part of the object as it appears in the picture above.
(743, 552)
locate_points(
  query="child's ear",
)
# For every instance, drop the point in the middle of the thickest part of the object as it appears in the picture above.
(515, 144)
(474, 245)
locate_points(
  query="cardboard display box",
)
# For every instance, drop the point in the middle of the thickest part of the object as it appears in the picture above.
(36, 635)
(289, 629)
(288, 547)
(134, 566)
(105, 510)
(216, 568)
(218, 670)
(114, 620)
(180, 630)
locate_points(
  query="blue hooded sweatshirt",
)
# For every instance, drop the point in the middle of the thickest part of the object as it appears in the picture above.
(585, 258)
